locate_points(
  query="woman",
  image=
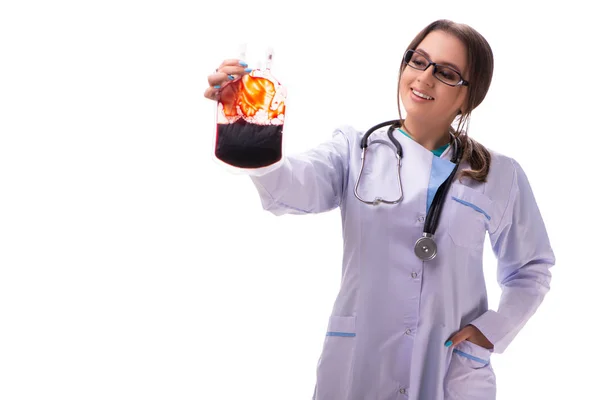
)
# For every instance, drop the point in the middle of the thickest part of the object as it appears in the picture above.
(404, 327)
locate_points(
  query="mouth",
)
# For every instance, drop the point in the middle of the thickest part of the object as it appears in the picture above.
(421, 95)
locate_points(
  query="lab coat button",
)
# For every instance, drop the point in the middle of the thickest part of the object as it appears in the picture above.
(402, 390)
(421, 219)
(414, 274)
(408, 331)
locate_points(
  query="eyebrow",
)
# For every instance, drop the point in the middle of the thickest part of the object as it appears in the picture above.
(444, 63)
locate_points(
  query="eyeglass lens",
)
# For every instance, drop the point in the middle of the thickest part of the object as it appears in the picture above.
(445, 74)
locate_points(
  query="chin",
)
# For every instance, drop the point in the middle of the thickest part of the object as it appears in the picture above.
(417, 112)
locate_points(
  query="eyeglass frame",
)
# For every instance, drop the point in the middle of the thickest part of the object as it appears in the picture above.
(462, 81)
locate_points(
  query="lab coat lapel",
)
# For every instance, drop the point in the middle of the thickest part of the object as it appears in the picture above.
(421, 169)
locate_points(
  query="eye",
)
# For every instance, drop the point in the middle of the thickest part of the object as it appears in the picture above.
(449, 74)
(418, 61)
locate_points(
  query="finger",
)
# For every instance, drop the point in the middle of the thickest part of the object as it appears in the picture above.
(458, 337)
(234, 62)
(212, 93)
(217, 78)
(234, 66)
(217, 82)
(235, 70)
(226, 74)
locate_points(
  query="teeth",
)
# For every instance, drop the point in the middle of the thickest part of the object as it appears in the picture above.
(424, 96)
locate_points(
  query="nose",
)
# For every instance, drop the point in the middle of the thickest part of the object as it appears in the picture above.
(427, 76)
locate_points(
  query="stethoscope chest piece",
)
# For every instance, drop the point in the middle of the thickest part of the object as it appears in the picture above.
(425, 248)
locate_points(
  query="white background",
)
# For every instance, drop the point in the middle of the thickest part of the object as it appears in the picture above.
(132, 266)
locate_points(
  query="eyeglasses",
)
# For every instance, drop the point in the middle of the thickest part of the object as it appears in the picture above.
(443, 73)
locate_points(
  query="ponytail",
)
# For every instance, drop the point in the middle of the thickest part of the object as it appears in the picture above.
(474, 153)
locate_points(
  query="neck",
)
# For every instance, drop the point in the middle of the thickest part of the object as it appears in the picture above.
(428, 134)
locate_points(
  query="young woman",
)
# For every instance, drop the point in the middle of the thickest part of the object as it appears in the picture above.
(411, 320)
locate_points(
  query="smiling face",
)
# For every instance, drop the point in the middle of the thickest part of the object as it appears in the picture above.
(442, 102)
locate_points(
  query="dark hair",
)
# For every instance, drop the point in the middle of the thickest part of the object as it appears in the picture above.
(480, 67)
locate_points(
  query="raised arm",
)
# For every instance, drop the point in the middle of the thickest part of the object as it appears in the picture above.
(311, 182)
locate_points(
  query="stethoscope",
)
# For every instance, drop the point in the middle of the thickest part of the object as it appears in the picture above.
(425, 247)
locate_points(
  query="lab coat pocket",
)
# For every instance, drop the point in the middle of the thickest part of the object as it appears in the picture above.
(470, 375)
(468, 217)
(335, 364)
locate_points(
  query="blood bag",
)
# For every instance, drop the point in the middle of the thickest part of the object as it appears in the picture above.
(250, 119)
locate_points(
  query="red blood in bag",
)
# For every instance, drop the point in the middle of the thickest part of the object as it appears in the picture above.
(248, 145)
(250, 121)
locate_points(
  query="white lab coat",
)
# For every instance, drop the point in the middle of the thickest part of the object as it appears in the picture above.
(394, 312)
